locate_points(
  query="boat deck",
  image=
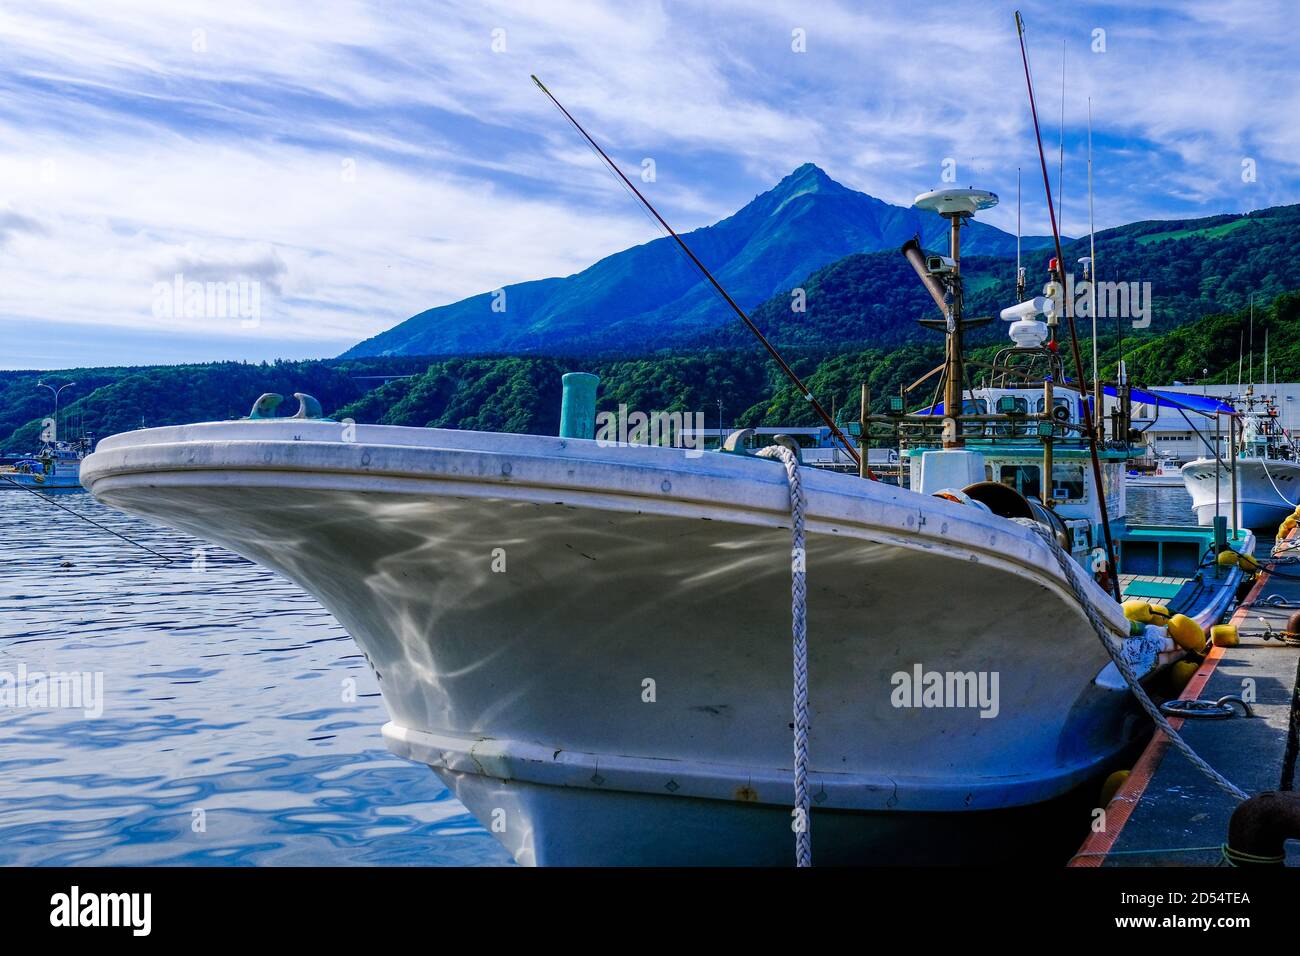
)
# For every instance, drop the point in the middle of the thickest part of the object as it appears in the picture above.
(1152, 587)
(1167, 813)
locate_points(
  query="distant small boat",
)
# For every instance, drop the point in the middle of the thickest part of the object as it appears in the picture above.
(56, 467)
(1168, 472)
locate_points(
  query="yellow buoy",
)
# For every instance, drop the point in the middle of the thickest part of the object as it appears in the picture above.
(1246, 562)
(1224, 635)
(1182, 672)
(1136, 610)
(1160, 614)
(1112, 785)
(1186, 633)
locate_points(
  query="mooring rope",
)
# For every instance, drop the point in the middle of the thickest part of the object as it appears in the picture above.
(802, 813)
(78, 514)
(1071, 572)
(1267, 474)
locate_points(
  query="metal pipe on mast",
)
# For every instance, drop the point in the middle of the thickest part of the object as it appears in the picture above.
(749, 323)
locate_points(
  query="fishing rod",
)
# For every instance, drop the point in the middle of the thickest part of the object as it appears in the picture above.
(1074, 335)
(771, 349)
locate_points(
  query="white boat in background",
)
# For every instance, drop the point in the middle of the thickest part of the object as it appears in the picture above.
(590, 642)
(1267, 484)
(1168, 472)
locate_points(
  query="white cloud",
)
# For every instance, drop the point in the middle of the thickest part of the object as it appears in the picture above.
(214, 136)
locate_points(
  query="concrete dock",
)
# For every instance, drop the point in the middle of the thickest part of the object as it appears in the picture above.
(1167, 813)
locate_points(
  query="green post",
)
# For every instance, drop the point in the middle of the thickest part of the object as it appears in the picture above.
(1220, 533)
(578, 406)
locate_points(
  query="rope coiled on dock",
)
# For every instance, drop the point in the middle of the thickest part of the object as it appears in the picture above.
(799, 627)
(1071, 571)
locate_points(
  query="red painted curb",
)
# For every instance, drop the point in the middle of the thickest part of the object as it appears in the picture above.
(1098, 845)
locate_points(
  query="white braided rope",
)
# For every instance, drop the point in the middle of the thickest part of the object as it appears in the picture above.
(802, 813)
(1071, 571)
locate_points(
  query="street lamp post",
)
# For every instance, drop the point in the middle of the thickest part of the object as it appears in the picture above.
(719, 424)
(55, 392)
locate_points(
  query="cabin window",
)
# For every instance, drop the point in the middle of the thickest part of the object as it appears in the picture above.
(1068, 483)
(1024, 478)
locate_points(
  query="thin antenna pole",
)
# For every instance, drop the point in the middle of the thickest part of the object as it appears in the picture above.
(1060, 172)
(1017, 220)
(1252, 340)
(1241, 351)
(1111, 572)
(1092, 286)
(827, 420)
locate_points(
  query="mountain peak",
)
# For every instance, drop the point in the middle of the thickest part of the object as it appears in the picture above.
(806, 175)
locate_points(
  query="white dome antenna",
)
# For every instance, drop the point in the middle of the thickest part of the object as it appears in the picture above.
(956, 202)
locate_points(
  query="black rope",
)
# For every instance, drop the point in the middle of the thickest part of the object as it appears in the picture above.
(19, 484)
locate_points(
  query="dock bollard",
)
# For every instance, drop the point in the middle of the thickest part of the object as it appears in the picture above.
(578, 405)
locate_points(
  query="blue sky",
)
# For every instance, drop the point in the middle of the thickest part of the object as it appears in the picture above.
(361, 162)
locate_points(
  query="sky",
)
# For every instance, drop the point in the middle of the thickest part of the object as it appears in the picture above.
(320, 171)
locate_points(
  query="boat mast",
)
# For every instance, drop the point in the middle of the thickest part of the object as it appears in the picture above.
(749, 323)
(955, 372)
(1092, 291)
(1020, 270)
(1111, 572)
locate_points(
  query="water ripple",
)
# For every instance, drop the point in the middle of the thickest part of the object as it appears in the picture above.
(225, 737)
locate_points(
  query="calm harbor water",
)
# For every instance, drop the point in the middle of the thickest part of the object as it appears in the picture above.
(225, 736)
(1172, 505)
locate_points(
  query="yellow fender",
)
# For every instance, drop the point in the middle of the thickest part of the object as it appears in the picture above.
(1224, 635)
(1183, 672)
(1136, 610)
(1187, 634)
(1112, 785)
(1246, 562)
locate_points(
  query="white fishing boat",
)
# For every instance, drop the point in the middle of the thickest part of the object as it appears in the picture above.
(1166, 473)
(1262, 475)
(590, 642)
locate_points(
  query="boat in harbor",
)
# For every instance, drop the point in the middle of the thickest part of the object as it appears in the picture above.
(589, 642)
(1165, 473)
(1260, 475)
(56, 467)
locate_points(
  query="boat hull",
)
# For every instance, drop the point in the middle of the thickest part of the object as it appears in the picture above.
(1154, 481)
(18, 480)
(1266, 491)
(591, 646)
